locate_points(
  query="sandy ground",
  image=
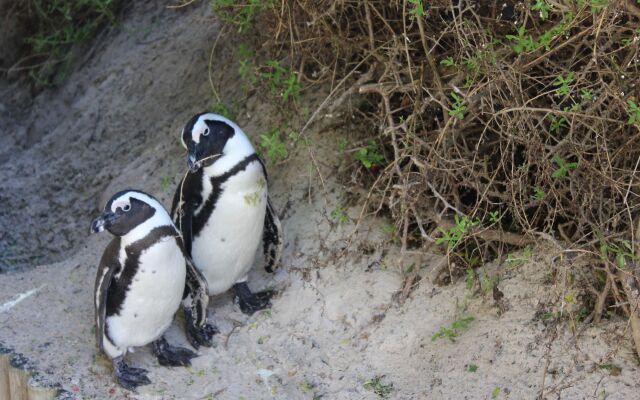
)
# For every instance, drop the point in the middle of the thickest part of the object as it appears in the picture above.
(336, 325)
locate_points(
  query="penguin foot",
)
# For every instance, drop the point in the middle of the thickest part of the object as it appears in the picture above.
(172, 356)
(128, 377)
(199, 335)
(251, 302)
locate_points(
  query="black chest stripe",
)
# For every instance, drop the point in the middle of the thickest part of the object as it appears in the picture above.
(200, 220)
(119, 287)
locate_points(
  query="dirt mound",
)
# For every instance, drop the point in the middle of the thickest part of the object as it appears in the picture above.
(69, 143)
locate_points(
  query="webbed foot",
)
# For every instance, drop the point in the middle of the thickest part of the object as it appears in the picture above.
(251, 302)
(128, 377)
(199, 335)
(172, 356)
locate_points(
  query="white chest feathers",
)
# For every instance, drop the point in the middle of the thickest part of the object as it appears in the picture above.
(225, 248)
(153, 297)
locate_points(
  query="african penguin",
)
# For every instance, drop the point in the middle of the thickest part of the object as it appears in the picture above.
(223, 208)
(140, 283)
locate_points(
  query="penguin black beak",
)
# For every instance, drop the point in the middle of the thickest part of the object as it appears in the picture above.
(194, 165)
(104, 221)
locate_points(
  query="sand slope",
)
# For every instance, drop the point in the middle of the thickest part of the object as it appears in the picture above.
(336, 324)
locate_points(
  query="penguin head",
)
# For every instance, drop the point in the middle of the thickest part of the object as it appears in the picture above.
(211, 137)
(127, 210)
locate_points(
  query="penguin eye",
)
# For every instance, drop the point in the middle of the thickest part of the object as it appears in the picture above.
(126, 208)
(206, 132)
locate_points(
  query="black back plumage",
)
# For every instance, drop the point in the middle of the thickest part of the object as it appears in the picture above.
(109, 264)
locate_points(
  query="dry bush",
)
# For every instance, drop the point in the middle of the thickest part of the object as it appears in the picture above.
(502, 123)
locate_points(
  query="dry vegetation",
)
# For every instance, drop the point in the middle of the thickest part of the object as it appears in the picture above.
(497, 124)
(42, 36)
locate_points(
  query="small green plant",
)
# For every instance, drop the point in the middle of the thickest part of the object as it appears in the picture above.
(342, 146)
(495, 393)
(418, 8)
(538, 193)
(488, 282)
(563, 167)
(547, 37)
(246, 67)
(241, 15)
(634, 112)
(296, 138)
(472, 64)
(468, 82)
(282, 81)
(598, 5)
(586, 94)
(470, 279)
(453, 235)
(381, 389)
(275, 149)
(451, 332)
(575, 107)
(266, 313)
(448, 62)
(457, 108)
(470, 259)
(562, 84)
(307, 387)
(472, 368)
(340, 215)
(370, 155)
(523, 168)
(543, 7)
(526, 43)
(291, 88)
(621, 252)
(224, 110)
(392, 231)
(613, 369)
(514, 261)
(494, 216)
(557, 123)
(523, 43)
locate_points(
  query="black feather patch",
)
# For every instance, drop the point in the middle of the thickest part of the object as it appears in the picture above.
(200, 220)
(272, 239)
(119, 287)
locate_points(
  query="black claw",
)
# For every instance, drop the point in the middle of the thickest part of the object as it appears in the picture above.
(128, 377)
(252, 302)
(172, 356)
(199, 335)
(137, 370)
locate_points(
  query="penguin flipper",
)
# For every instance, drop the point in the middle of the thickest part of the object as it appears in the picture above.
(197, 289)
(184, 203)
(272, 238)
(109, 264)
(195, 302)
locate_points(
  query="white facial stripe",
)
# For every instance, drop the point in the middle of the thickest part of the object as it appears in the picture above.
(198, 128)
(125, 199)
(200, 125)
(120, 203)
